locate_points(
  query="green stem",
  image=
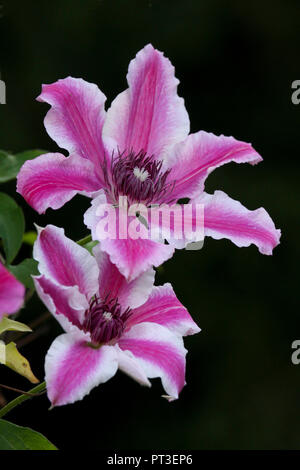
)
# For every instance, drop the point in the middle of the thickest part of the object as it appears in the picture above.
(17, 401)
(29, 294)
(84, 240)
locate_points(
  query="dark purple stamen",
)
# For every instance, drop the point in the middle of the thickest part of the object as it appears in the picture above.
(137, 176)
(104, 320)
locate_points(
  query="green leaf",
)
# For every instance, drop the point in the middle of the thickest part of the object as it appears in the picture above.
(6, 324)
(11, 164)
(2, 353)
(18, 363)
(24, 270)
(13, 437)
(11, 226)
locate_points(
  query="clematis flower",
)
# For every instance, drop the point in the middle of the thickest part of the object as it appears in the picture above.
(109, 323)
(141, 149)
(11, 293)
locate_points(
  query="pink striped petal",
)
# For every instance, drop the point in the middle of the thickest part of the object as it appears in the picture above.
(131, 256)
(130, 366)
(11, 293)
(64, 261)
(134, 257)
(91, 217)
(164, 308)
(73, 369)
(149, 115)
(192, 160)
(179, 224)
(52, 179)
(159, 352)
(114, 285)
(76, 117)
(63, 302)
(227, 218)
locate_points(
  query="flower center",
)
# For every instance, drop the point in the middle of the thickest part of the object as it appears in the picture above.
(107, 316)
(139, 177)
(140, 174)
(104, 320)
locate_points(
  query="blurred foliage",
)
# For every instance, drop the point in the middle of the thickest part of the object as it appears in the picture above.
(24, 270)
(236, 62)
(10, 356)
(13, 437)
(7, 324)
(11, 164)
(11, 226)
(18, 363)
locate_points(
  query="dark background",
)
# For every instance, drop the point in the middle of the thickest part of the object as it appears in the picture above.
(236, 62)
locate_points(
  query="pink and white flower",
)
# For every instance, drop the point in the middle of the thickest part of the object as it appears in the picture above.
(11, 293)
(109, 323)
(139, 148)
